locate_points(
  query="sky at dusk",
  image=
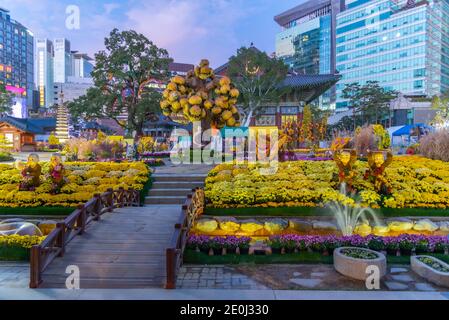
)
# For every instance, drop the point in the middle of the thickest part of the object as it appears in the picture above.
(188, 29)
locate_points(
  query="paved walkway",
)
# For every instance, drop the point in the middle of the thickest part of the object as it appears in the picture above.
(14, 274)
(211, 294)
(126, 249)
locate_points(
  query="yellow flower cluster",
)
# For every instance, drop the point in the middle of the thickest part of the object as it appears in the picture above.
(84, 179)
(20, 241)
(417, 182)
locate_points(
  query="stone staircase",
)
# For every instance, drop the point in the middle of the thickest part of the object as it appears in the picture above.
(173, 188)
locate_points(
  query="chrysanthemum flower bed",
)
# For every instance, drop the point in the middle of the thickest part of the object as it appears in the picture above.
(15, 247)
(405, 244)
(84, 179)
(417, 182)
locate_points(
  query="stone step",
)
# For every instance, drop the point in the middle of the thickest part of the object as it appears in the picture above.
(165, 200)
(177, 184)
(170, 192)
(176, 177)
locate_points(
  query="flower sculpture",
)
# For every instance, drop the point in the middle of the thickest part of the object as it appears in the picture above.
(200, 95)
(31, 173)
(345, 160)
(378, 161)
(56, 174)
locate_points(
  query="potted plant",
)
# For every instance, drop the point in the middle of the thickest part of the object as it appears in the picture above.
(231, 244)
(244, 244)
(422, 246)
(392, 245)
(216, 245)
(276, 244)
(406, 246)
(377, 244)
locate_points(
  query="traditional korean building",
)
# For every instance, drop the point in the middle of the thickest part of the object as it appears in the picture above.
(22, 133)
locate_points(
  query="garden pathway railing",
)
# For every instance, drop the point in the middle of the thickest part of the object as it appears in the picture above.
(54, 245)
(193, 207)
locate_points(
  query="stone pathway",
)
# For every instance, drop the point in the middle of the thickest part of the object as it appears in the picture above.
(215, 277)
(294, 277)
(14, 274)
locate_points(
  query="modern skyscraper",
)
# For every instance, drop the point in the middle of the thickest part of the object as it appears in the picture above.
(63, 60)
(16, 61)
(404, 45)
(307, 41)
(44, 72)
(82, 66)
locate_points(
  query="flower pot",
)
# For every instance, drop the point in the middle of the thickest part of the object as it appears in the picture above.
(276, 250)
(244, 251)
(218, 252)
(230, 250)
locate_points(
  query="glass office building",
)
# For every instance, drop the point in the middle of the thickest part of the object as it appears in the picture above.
(16, 61)
(404, 45)
(62, 60)
(44, 73)
(307, 41)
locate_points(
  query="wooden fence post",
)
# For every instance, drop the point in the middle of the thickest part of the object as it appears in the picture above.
(110, 200)
(121, 197)
(81, 223)
(35, 267)
(60, 240)
(97, 207)
(171, 269)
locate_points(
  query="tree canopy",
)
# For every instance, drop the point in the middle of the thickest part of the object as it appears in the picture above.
(441, 106)
(6, 101)
(257, 76)
(121, 76)
(370, 102)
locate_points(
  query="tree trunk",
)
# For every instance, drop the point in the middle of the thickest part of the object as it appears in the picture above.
(248, 118)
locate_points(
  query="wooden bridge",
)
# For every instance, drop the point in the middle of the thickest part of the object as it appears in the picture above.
(115, 243)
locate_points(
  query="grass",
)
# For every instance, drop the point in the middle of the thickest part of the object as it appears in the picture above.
(37, 211)
(317, 211)
(193, 257)
(146, 188)
(14, 253)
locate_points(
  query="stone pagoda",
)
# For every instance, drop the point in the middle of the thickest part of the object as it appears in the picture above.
(62, 121)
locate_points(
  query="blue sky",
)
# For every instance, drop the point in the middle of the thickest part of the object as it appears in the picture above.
(188, 29)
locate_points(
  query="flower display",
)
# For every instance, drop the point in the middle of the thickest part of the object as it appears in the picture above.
(84, 179)
(20, 241)
(416, 182)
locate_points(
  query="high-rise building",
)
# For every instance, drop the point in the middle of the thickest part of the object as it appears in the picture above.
(44, 73)
(404, 45)
(307, 41)
(82, 66)
(63, 60)
(16, 61)
(72, 89)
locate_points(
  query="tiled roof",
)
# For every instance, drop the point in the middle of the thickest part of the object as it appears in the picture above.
(180, 67)
(305, 81)
(36, 126)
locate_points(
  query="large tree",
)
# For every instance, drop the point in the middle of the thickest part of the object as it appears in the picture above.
(6, 101)
(121, 76)
(370, 102)
(257, 76)
(441, 106)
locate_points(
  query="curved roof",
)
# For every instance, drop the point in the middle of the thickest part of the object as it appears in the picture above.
(36, 126)
(305, 81)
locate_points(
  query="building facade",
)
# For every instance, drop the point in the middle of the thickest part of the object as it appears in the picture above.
(16, 62)
(44, 74)
(307, 41)
(63, 60)
(73, 88)
(82, 66)
(404, 45)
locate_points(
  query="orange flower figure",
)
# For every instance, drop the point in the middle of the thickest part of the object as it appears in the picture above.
(378, 161)
(345, 160)
(31, 173)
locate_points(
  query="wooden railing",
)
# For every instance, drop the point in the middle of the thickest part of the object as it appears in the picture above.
(193, 207)
(75, 224)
